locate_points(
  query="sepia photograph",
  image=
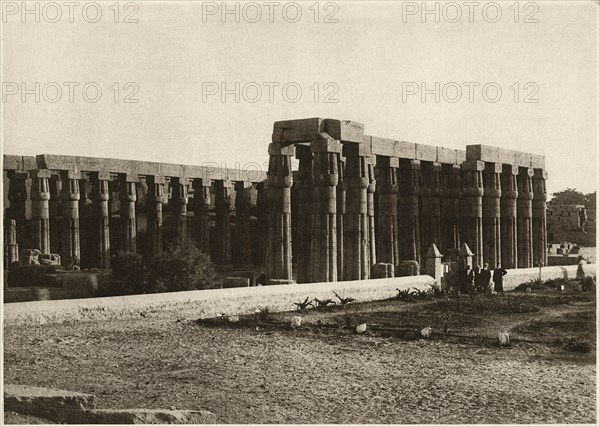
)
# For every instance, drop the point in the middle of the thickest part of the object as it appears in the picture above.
(299, 212)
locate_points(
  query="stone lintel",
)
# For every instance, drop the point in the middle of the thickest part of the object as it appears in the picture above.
(538, 161)
(446, 155)
(461, 156)
(159, 179)
(23, 163)
(485, 153)
(473, 165)
(352, 149)
(291, 136)
(127, 177)
(426, 152)
(345, 130)
(540, 174)
(325, 144)
(405, 150)
(381, 146)
(40, 173)
(277, 149)
(313, 124)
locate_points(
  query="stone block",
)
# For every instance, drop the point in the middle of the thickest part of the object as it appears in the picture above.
(345, 130)
(314, 124)
(426, 152)
(351, 149)
(361, 328)
(523, 159)
(484, 153)
(538, 161)
(473, 165)
(323, 143)
(446, 155)
(80, 285)
(52, 404)
(405, 150)
(507, 156)
(280, 149)
(461, 156)
(235, 282)
(382, 146)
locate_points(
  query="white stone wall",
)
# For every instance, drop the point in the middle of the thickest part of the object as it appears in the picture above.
(521, 275)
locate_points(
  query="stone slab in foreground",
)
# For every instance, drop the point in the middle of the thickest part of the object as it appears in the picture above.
(69, 407)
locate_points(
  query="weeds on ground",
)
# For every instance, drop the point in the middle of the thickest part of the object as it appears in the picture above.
(322, 304)
(263, 314)
(413, 294)
(303, 305)
(344, 301)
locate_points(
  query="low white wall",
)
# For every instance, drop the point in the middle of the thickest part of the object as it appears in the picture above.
(522, 275)
(206, 303)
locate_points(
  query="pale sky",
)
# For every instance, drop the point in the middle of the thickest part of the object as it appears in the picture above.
(363, 61)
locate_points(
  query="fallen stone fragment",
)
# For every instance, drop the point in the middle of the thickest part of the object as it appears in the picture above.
(361, 328)
(503, 339)
(426, 332)
(233, 319)
(296, 321)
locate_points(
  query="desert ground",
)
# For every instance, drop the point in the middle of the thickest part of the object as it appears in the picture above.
(261, 370)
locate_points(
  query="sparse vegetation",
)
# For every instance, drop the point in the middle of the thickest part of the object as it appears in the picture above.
(322, 304)
(303, 305)
(344, 301)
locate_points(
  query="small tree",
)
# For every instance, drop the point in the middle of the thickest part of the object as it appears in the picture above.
(181, 267)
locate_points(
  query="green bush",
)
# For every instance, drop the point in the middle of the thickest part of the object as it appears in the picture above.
(181, 267)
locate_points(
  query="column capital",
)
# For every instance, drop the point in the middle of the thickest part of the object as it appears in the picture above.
(540, 174)
(277, 149)
(70, 174)
(491, 167)
(353, 149)
(325, 144)
(523, 171)
(128, 177)
(473, 165)
(156, 179)
(40, 173)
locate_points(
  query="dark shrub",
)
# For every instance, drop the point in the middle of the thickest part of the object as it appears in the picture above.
(577, 346)
(129, 275)
(181, 267)
(589, 283)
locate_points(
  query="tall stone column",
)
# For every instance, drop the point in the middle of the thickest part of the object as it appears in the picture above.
(179, 202)
(70, 250)
(409, 187)
(492, 193)
(40, 209)
(101, 214)
(279, 226)
(387, 212)
(524, 215)
(156, 199)
(340, 212)
(371, 210)
(323, 263)
(17, 195)
(86, 223)
(450, 207)
(305, 212)
(471, 207)
(262, 203)
(202, 212)
(242, 223)
(127, 198)
(223, 223)
(431, 173)
(357, 251)
(539, 227)
(508, 216)
(11, 248)
(55, 212)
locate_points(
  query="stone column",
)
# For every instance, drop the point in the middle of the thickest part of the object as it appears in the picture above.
(540, 240)
(279, 226)
(524, 215)
(340, 200)
(305, 212)
(492, 193)
(471, 207)
(202, 212)
(357, 251)
(371, 210)
(179, 202)
(409, 187)
(100, 198)
(242, 223)
(11, 248)
(387, 212)
(223, 223)
(40, 209)
(70, 250)
(323, 261)
(450, 207)
(156, 199)
(431, 173)
(85, 226)
(262, 202)
(508, 216)
(127, 198)
(17, 195)
(55, 209)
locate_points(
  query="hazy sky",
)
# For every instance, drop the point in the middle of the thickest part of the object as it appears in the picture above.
(371, 61)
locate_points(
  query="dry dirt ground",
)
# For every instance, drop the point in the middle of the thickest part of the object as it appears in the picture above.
(260, 370)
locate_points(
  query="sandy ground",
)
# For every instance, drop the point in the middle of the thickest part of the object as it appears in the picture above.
(314, 374)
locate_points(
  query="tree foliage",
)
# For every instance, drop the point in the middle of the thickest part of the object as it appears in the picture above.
(571, 196)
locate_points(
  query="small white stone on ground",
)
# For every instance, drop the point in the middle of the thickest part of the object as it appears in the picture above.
(234, 319)
(426, 332)
(296, 321)
(503, 339)
(361, 328)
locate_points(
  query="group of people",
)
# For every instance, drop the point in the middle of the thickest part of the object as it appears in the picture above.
(478, 280)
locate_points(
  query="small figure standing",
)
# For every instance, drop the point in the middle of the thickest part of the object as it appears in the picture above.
(262, 279)
(485, 278)
(477, 274)
(499, 274)
(580, 273)
(469, 280)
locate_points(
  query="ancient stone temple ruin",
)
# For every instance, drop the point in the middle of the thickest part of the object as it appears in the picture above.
(356, 202)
